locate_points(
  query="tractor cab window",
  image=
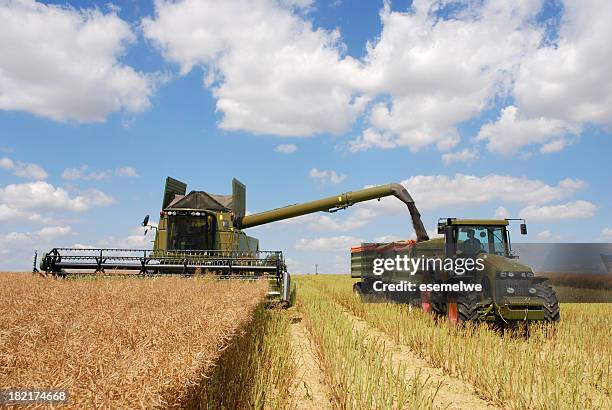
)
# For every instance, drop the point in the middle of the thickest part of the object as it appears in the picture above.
(187, 233)
(472, 240)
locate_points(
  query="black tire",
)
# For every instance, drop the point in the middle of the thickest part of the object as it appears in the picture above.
(358, 289)
(438, 303)
(551, 304)
(467, 306)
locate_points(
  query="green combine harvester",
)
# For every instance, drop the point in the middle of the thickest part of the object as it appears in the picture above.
(204, 233)
(510, 292)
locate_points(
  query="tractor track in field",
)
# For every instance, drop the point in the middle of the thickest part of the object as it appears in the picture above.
(453, 393)
(309, 391)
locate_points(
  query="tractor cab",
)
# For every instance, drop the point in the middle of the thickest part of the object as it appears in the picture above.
(470, 237)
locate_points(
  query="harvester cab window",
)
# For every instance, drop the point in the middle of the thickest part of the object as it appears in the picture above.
(187, 233)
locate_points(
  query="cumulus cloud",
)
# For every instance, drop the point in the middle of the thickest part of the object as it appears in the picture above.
(547, 236)
(286, 148)
(82, 174)
(328, 244)
(554, 98)
(44, 196)
(570, 210)
(440, 71)
(63, 63)
(371, 138)
(359, 218)
(511, 132)
(465, 155)
(24, 170)
(54, 231)
(139, 238)
(327, 176)
(502, 213)
(388, 238)
(17, 240)
(269, 70)
(432, 67)
(9, 214)
(551, 81)
(435, 191)
(606, 234)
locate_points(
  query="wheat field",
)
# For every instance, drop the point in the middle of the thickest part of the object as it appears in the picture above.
(119, 343)
(200, 343)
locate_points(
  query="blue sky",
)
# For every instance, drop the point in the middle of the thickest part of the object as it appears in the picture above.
(98, 104)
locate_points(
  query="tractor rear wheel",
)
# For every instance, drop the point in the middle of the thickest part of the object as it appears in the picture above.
(551, 304)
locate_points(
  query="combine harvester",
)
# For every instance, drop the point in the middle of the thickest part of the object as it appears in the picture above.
(204, 233)
(510, 291)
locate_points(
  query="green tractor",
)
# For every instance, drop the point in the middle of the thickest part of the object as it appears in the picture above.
(468, 274)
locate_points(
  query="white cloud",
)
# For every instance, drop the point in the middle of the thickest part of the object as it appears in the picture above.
(286, 148)
(298, 3)
(23, 170)
(137, 239)
(360, 217)
(329, 244)
(606, 234)
(357, 218)
(561, 86)
(81, 173)
(9, 214)
(63, 63)
(570, 210)
(388, 238)
(269, 70)
(436, 74)
(554, 146)
(372, 139)
(54, 231)
(502, 213)
(20, 241)
(125, 172)
(511, 132)
(546, 235)
(465, 155)
(571, 80)
(435, 191)
(327, 176)
(442, 191)
(42, 195)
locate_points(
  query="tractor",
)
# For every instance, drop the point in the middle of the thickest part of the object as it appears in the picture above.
(468, 274)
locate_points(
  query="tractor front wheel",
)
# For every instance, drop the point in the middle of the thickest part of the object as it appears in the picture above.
(462, 307)
(551, 304)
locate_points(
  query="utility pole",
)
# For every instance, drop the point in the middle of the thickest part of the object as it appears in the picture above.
(316, 269)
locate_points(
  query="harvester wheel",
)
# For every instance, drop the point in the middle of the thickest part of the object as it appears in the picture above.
(467, 306)
(551, 304)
